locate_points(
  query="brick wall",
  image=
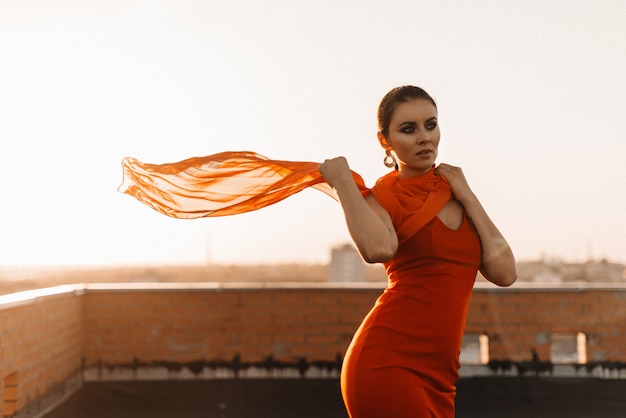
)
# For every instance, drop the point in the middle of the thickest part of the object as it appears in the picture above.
(40, 345)
(44, 340)
(190, 325)
(518, 320)
(317, 323)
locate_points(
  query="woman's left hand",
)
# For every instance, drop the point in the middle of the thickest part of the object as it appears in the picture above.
(455, 177)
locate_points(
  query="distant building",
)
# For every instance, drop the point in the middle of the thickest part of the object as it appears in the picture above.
(346, 265)
(555, 271)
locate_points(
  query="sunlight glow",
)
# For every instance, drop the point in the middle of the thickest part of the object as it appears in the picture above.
(85, 84)
(483, 340)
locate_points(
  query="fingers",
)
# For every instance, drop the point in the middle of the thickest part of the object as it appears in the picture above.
(446, 167)
(448, 171)
(332, 164)
(334, 168)
(456, 179)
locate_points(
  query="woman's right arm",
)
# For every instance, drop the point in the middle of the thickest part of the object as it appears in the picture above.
(368, 222)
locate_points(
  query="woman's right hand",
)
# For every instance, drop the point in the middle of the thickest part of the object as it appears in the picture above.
(335, 170)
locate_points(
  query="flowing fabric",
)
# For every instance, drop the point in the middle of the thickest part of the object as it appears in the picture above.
(412, 202)
(236, 182)
(222, 184)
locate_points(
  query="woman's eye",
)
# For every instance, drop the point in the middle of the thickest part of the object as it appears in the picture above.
(408, 130)
(431, 126)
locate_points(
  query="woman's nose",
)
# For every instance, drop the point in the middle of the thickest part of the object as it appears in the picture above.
(423, 138)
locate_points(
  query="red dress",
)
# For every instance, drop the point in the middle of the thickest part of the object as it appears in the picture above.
(404, 358)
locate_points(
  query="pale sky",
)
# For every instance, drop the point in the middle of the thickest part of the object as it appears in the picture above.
(531, 95)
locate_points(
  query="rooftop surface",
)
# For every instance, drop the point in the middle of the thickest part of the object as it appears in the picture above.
(537, 397)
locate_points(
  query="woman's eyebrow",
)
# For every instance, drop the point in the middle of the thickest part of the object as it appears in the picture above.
(411, 123)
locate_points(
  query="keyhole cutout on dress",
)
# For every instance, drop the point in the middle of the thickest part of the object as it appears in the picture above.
(451, 215)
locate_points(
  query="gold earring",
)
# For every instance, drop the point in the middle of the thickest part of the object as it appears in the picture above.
(389, 160)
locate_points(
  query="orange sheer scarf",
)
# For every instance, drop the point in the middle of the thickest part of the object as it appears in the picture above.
(222, 184)
(229, 183)
(412, 202)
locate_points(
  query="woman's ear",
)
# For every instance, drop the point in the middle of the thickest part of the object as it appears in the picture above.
(383, 141)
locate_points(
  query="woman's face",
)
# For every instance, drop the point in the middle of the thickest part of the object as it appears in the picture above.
(413, 136)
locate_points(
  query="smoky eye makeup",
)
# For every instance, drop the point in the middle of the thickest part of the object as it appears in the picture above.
(410, 127)
(407, 127)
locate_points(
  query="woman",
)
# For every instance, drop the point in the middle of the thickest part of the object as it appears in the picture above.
(422, 222)
(429, 230)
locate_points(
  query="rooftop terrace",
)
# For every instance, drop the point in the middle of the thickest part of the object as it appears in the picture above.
(274, 349)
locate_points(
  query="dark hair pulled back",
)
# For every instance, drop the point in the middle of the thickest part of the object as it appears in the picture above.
(392, 99)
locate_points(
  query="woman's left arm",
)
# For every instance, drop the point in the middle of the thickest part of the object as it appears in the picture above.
(497, 263)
